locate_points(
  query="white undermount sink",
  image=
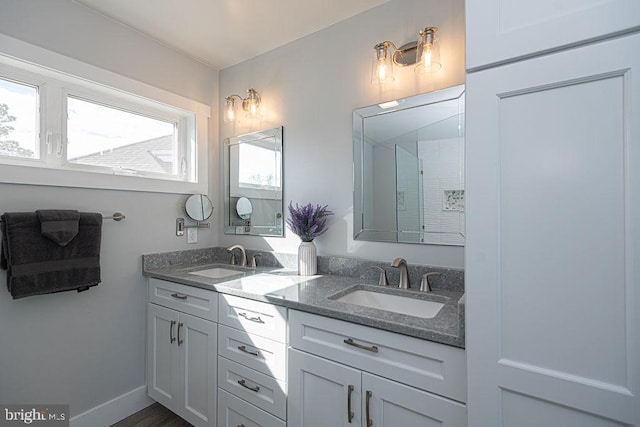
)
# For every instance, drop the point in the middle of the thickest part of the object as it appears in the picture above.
(217, 273)
(395, 303)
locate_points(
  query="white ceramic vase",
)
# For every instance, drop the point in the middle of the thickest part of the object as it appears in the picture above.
(307, 259)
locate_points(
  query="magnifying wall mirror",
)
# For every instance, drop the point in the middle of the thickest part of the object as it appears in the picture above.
(409, 169)
(244, 208)
(198, 207)
(253, 184)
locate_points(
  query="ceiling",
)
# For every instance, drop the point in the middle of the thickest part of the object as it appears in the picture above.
(222, 33)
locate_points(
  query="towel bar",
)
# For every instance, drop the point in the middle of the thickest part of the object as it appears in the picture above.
(117, 216)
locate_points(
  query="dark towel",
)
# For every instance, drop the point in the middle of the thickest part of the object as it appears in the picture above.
(36, 265)
(59, 226)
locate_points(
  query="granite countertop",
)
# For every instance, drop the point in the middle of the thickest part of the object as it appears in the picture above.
(317, 294)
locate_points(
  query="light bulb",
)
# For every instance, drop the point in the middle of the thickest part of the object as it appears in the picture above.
(229, 109)
(382, 70)
(426, 56)
(253, 108)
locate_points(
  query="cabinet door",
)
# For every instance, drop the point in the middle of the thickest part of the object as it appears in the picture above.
(197, 341)
(498, 30)
(234, 412)
(162, 355)
(553, 244)
(321, 392)
(390, 404)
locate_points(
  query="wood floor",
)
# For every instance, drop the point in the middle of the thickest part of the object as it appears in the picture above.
(155, 415)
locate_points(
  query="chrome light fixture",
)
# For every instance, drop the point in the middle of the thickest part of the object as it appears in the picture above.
(424, 54)
(250, 104)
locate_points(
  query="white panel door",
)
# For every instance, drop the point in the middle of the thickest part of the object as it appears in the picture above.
(390, 404)
(500, 30)
(197, 340)
(162, 355)
(553, 239)
(321, 392)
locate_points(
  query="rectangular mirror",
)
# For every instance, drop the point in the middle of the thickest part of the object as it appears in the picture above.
(408, 158)
(253, 184)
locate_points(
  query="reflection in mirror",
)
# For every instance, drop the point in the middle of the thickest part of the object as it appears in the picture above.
(253, 184)
(409, 169)
(244, 208)
(198, 207)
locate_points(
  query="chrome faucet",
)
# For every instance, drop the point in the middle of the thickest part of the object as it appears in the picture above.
(404, 272)
(243, 259)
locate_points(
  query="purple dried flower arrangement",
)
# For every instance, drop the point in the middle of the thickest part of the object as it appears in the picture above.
(308, 221)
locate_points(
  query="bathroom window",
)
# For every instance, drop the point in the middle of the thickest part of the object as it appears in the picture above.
(96, 129)
(106, 137)
(18, 120)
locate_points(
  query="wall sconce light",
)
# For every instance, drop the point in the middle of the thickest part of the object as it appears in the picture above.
(250, 104)
(424, 54)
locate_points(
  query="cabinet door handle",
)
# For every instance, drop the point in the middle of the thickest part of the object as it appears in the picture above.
(243, 383)
(171, 337)
(368, 409)
(244, 350)
(180, 325)
(179, 296)
(256, 319)
(240, 425)
(373, 348)
(349, 413)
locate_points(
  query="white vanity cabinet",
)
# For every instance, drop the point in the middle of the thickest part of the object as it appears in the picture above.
(552, 272)
(252, 374)
(342, 374)
(181, 350)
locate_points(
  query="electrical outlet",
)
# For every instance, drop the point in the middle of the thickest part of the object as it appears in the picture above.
(192, 235)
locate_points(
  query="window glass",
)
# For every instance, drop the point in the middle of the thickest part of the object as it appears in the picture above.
(18, 120)
(105, 136)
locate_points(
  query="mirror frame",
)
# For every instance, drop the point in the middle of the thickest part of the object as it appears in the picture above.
(359, 115)
(278, 134)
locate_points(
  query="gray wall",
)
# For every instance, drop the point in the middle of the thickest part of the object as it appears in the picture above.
(87, 348)
(311, 87)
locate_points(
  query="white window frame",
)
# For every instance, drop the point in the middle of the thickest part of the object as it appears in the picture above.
(58, 77)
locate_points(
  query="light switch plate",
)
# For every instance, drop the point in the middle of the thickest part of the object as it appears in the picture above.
(192, 235)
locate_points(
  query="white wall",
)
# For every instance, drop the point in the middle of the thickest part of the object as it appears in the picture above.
(311, 87)
(87, 348)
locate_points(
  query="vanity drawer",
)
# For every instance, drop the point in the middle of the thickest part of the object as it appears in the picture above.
(259, 389)
(427, 365)
(254, 317)
(187, 299)
(262, 354)
(234, 412)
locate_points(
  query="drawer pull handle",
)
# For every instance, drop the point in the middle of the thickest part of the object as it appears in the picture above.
(180, 325)
(256, 319)
(244, 350)
(368, 404)
(171, 337)
(244, 384)
(240, 425)
(349, 413)
(179, 296)
(373, 348)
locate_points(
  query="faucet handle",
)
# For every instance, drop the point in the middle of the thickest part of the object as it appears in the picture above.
(253, 260)
(424, 284)
(383, 281)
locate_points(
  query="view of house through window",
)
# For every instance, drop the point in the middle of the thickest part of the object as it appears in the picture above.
(18, 120)
(105, 136)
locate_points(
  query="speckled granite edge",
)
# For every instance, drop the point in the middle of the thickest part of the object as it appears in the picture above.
(447, 279)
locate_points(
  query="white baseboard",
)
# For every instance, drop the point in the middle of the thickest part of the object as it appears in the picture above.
(114, 410)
